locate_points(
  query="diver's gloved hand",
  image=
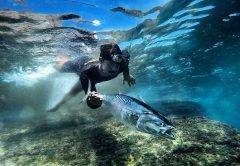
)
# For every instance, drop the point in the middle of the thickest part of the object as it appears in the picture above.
(129, 79)
(94, 100)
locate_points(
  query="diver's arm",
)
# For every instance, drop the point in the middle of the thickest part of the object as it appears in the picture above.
(73, 92)
(127, 77)
(85, 81)
(93, 100)
(126, 72)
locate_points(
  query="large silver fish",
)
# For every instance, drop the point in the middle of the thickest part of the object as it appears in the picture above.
(138, 114)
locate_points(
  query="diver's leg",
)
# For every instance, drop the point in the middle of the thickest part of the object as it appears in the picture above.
(73, 92)
(61, 63)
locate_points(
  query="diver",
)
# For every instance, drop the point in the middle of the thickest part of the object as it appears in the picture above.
(112, 62)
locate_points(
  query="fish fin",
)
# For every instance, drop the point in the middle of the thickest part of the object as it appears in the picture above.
(140, 97)
(119, 92)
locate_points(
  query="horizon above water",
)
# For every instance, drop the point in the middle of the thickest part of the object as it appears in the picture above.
(89, 10)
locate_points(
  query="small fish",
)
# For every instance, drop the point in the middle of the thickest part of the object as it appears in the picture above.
(138, 114)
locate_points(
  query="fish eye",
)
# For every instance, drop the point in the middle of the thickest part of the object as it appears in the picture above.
(161, 124)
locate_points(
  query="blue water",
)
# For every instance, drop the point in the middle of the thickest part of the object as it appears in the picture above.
(189, 51)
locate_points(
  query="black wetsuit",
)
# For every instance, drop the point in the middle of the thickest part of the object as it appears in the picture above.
(90, 71)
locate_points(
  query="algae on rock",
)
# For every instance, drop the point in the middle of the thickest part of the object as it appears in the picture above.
(104, 141)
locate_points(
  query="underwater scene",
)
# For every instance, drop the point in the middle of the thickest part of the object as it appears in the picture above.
(120, 82)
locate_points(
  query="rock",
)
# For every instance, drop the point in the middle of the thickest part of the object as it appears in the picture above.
(148, 26)
(136, 13)
(68, 16)
(199, 141)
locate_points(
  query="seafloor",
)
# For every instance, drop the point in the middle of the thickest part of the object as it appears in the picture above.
(95, 138)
